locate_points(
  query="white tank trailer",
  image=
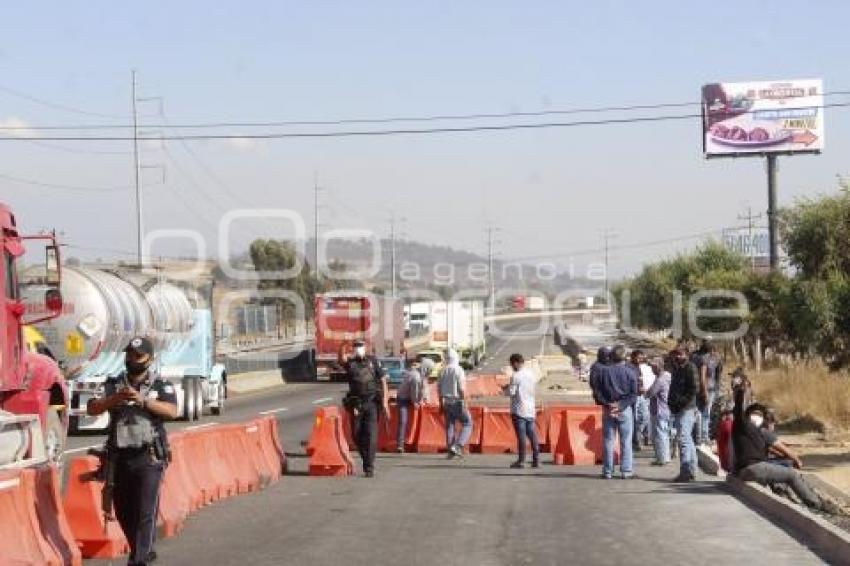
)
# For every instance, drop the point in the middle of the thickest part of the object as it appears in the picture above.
(103, 310)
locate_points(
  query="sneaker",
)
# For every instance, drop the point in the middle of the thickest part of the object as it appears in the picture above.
(605, 476)
(369, 474)
(400, 450)
(535, 464)
(458, 451)
(451, 454)
(518, 465)
(630, 476)
(683, 478)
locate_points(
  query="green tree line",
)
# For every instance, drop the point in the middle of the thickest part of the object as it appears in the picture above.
(806, 313)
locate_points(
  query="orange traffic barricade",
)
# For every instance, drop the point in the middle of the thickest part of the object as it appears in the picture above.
(82, 503)
(329, 455)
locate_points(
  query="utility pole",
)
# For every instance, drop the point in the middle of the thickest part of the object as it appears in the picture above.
(749, 217)
(771, 212)
(490, 231)
(137, 166)
(392, 255)
(316, 221)
(607, 235)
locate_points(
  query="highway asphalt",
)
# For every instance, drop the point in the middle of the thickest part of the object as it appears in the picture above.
(423, 509)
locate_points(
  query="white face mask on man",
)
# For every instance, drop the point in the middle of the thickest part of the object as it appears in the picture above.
(360, 351)
(757, 420)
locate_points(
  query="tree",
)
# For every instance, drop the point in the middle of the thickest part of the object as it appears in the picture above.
(816, 233)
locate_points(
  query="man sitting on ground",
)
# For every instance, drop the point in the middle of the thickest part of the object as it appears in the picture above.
(752, 442)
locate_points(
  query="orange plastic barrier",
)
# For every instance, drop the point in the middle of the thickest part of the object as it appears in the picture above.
(51, 516)
(32, 522)
(319, 415)
(497, 431)
(580, 439)
(85, 514)
(330, 449)
(431, 436)
(387, 432)
(177, 494)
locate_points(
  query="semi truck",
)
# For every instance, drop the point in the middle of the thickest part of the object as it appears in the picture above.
(344, 316)
(33, 395)
(459, 325)
(104, 309)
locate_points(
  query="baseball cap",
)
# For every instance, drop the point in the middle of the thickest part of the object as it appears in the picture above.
(140, 345)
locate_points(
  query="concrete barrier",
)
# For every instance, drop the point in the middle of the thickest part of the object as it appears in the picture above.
(827, 540)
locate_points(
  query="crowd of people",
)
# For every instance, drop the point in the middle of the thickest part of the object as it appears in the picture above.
(670, 399)
(664, 402)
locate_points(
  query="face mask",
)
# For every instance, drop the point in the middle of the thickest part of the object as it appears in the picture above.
(136, 368)
(757, 420)
(360, 351)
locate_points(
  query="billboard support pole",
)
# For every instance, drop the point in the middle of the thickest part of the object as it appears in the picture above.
(771, 212)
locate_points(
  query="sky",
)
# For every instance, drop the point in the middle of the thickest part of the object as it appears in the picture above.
(549, 191)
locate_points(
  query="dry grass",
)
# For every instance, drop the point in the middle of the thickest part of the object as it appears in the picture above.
(809, 395)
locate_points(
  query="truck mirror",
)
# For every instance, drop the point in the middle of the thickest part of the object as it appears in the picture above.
(53, 300)
(51, 266)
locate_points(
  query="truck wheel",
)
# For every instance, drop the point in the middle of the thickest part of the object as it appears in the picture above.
(188, 399)
(222, 397)
(199, 398)
(54, 437)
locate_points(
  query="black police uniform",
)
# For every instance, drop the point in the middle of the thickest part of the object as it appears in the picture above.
(365, 392)
(138, 471)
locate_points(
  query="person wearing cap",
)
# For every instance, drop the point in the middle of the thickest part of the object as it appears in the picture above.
(367, 393)
(138, 402)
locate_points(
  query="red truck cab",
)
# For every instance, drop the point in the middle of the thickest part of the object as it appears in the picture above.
(30, 383)
(344, 316)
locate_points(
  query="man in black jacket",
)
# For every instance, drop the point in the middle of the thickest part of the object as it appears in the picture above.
(682, 399)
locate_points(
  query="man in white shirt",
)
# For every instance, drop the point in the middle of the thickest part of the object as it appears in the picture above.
(452, 390)
(523, 411)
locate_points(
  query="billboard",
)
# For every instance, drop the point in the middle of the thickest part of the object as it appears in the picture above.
(749, 243)
(762, 117)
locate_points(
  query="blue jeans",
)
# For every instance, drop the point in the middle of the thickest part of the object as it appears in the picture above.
(661, 439)
(524, 428)
(705, 414)
(612, 425)
(642, 424)
(456, 411)
(687, 449)
(404, 407)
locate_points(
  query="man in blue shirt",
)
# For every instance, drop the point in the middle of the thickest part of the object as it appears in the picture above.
(615, 389)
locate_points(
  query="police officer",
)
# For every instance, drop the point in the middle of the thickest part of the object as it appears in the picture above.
(367, 392)
(138, 402)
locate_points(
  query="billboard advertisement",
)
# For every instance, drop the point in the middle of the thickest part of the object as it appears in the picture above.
(762, 117)
(753, 242)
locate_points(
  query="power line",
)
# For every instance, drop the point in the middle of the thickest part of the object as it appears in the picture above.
(59, 186)
(57, 106)
(404, 131)
(393, 119)
(611, 248)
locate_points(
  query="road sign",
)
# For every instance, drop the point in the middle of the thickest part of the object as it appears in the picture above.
(759, 118)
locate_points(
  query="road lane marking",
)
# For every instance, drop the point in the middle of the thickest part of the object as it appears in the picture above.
(83, 449)
(273, 411)
(205, 425)
(322, 400)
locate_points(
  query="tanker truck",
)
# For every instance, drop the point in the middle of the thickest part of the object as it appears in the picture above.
(33, 396)
(104, 309)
